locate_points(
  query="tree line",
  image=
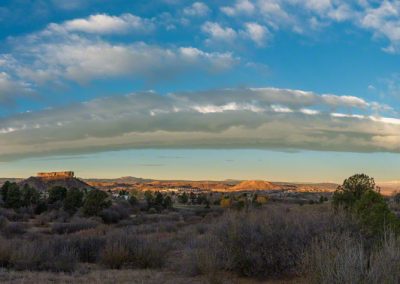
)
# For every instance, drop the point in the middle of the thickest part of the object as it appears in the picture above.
(92, 202)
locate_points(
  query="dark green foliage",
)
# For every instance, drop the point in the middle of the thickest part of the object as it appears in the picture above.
(115, 213)
(201, 199)
(57, 193)
(4, 190)
(73, 200)
(375, 215)
(96, 200)
(351, 190)
(41, 207)
(358, 195)
(167, 203)
(11, 195)
(150, 200)
(159, 200)
(396, 198)
(13, 199)
(239, 205)
(192, 198)
(183, 198)
(133, 200)
(122, 193)
(29, 196)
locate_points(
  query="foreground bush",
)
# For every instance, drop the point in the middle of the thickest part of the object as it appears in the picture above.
(342, 258)
(96, 200)
(50, 255)
(75, 225)
(128, 250)
(267, 243)
(116, 212)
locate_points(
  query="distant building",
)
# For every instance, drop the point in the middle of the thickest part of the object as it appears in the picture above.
(67, 174)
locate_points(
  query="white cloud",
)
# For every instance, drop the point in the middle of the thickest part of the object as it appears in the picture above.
(217, 32)
(384, 21)
(256, 33)
(251, 30)
(105, 24)
(52, 58)
(227, 118)
(197, 9)
(382, 18)
(344, 101)
(11, 89)
(240, 7)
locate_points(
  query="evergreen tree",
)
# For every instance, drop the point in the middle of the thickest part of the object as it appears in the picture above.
(57, 193)
(73, 200)
(29, 196)
(13, 199)
(96, 200)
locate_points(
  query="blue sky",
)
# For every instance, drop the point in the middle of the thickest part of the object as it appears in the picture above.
(111, 88)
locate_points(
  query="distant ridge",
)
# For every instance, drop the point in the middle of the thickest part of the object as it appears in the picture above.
(253, 185)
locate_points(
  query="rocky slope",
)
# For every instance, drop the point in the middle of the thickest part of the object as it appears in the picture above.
(43, 184)
(254, 185)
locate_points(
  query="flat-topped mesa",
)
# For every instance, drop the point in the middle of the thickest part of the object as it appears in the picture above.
(56, 175)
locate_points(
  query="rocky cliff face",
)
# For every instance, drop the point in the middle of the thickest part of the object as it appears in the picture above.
(56, 175)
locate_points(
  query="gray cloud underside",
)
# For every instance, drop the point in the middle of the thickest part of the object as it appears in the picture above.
(232, 118)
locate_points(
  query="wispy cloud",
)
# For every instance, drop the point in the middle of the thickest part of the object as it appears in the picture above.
(197, 9)
(227, 118)
(11, 89)
(58, 54)
(104, 24)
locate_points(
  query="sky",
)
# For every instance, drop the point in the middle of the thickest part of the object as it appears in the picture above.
(281, 90)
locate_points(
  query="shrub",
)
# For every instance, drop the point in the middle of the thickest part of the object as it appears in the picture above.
(335, 258)
(183, 198)
(57, 194)
(5, 252)
(116, 213)
(110, 216)
(14, 228)
(50, 255)
(3, 222)
(268, 243)
(13, 198)
(10, 214)
(72, 227)
(87, 247)
(29, 196)
(342, 258)
(4, 190)
(126, 249)
(115, 254)
(385, 262)
(73, 200)
(226, 202)
(202, 256)
(96, 200)
(375, 215)
(41, 207)
(133, 199)
(167, 202)
(396, 197)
